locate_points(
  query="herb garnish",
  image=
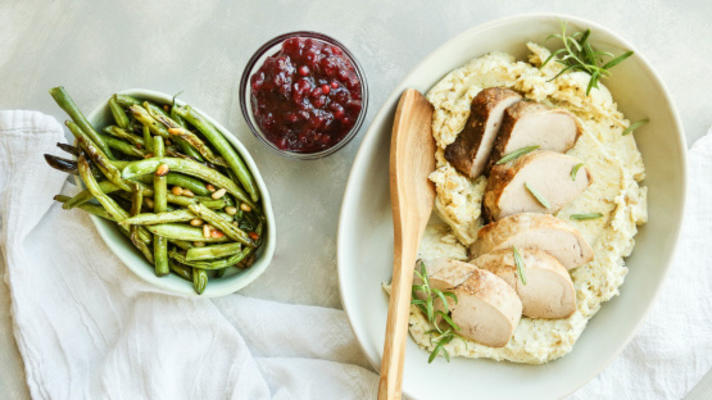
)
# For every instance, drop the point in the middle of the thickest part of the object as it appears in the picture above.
(516, 154)
(574, 170)
(582, 217)
(537, 196)
(634, 126)
(520, 265)
(426, 304)
(579, 55)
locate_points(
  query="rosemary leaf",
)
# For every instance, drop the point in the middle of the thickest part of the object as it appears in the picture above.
(582, 217)
(574, 170)
(425, 303)
(520, 265)
(578, 55)
(539, 198)
(634, 126)
(516, 154)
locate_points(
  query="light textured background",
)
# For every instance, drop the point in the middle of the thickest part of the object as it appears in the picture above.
(94, 48)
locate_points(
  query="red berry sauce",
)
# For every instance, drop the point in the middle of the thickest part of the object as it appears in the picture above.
(307, 96)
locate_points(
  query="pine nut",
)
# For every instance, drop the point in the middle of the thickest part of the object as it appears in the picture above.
(149, 203)
(218, 193)
(245, 207)
(206, 231)
(198, 244)
(174, 131)
(162, 170)
(196, 222)
(177, 190)
(188, 193)
(210, 187)
(230, 210)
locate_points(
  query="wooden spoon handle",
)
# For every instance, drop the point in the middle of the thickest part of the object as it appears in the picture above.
(397, 324)
(411, 161)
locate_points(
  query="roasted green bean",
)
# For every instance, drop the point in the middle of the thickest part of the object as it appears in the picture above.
(224, 148)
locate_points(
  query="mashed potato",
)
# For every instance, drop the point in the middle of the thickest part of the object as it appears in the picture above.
(614, 162)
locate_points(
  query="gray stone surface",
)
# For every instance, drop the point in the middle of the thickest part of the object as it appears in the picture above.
(200, 47)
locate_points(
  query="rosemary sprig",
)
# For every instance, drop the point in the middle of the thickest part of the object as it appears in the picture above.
(426, 305)
(516, 154)
(634, 126)
(583, 217)
(539, 198)
(574, 170)
(520, 265)
(578, 55)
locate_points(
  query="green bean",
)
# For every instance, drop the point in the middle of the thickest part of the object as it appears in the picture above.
(136, 200)
(90, 208)
(119, 114)
(122, 146)
(188, 167)
(135, 238)
(160, 244)
(212, 265)
(180, 215)
(194, 141)
(219, 273)
(184, 201)
(200, 280)
(224, 148)
(230, 230)
(187, 182)
(121, 133)
(147, 139)
(111, 172)
(182, 244)
(181, 270)
(125, 100)
(182, 232)
(211, 252)
(116, 212)
(65, 102)
(146, 119)
(159, 115)
(85, 195)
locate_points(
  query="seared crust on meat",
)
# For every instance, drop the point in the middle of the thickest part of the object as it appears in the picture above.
(470, 151)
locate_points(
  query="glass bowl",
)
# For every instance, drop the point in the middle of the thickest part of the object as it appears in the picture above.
(256, 61)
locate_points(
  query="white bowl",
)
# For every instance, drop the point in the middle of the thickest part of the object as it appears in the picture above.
(234, 279)
(365, 238)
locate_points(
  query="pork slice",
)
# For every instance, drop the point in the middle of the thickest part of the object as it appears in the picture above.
(527, 123)
(548, 291)
(541, 231)
(471, 150)
(488, 309)
(513, 187)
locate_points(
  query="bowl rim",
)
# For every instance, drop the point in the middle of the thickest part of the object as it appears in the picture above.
(174, 284)
(245, 88)
(385, 110)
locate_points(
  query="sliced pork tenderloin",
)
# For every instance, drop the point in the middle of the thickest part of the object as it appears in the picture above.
(487, 310)
(470, 152)
(541, 231)
(546, 289)
(527, 123)
(539, 181)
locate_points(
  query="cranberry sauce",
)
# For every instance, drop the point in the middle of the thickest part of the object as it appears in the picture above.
(307, 96)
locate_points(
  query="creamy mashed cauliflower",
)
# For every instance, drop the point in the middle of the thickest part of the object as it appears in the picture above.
(613, 160)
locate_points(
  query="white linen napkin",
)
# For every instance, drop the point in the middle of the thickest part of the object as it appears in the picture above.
(87, 328)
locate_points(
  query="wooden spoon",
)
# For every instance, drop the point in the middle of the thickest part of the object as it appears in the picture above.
(412, 196)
